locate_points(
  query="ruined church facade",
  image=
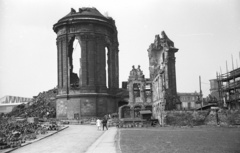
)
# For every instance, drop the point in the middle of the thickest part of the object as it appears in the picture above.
(159, 92)
(162, 69)
(92, 91)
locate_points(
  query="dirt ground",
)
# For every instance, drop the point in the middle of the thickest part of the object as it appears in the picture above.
(179, 140)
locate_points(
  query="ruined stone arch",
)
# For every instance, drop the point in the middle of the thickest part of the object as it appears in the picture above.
(92, 93)
(125, 111)
(137, 109)
(74, 56)
(122, 102)
(108, 41)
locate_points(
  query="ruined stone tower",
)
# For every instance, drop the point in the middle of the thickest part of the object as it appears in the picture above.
(162, 72)
(91, 90)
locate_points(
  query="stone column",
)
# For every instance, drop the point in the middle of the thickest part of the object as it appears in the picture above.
(59, 54)
(80, 61)
(117, 70)
(142, 92)
(170, 77)
(166, 78)
(113, 68)
(173, 68)
(92, 52)
(65, 65)
(101, 64)
(110, 68)
(84, 60)
(92, 61)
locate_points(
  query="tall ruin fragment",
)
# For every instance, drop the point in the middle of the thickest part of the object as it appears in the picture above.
(161, 55)
(157, 93)
(92, 91)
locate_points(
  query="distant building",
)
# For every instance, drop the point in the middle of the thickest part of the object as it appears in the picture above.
(214, 88)
(229, 89)
(190, 101)
(7, 103)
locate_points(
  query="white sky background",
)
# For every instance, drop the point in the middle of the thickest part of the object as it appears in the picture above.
(207, 33)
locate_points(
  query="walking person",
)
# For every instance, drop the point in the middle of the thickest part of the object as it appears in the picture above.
(98, 123)
(104, 123)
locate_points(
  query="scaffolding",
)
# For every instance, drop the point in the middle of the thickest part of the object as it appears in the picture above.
(229, 89)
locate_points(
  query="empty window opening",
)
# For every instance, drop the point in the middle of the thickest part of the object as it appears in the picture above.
(136, 88)
(163, 57)
(75, 63)
(106, 65)
(126, 112)
(76, 57)
(137, 110)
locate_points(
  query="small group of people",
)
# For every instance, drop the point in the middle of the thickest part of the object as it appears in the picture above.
(102, 122)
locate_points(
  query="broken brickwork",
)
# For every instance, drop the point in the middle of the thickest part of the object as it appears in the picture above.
(140, 96)
(161, 55)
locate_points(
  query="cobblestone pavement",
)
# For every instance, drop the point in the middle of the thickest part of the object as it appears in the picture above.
(75, 139)
(180, 140)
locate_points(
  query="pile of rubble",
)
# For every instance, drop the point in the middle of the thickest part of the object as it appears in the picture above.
(42, 106)
(14, 133)
(15, 127)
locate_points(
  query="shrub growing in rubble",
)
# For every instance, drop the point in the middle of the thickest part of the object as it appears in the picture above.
(186, 118)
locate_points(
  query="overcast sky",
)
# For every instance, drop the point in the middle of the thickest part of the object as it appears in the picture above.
(207, 33)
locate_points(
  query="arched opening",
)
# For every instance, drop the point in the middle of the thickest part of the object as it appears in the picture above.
(126, 112)
(74, 54)
(76, 57)
(137, 111)
(106, 65)
(122, 102)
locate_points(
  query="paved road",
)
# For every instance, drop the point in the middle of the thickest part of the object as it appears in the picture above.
(75, 139)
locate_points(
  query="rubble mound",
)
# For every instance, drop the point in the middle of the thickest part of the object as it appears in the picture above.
(43, 105)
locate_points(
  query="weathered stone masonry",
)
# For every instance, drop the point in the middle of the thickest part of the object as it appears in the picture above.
(87, 95)
(163, 75)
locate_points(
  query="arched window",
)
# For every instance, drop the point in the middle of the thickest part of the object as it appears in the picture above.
(76, 57)
(126, 112)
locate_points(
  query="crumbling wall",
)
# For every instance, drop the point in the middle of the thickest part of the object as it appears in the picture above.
(223, 117)
(86, 95)
(161, 55)
(186, 118)
(207, 117)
